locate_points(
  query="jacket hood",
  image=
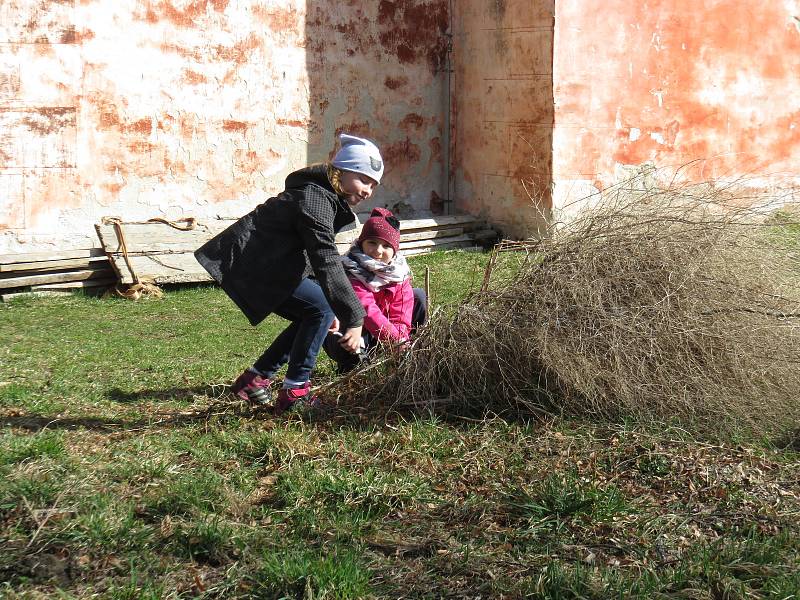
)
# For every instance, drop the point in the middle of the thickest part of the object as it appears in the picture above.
(317, 174)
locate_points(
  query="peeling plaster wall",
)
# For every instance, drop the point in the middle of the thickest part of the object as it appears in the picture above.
(502, 118)
(377, 69)
(707, 85)
(142, 108)
(174, 108)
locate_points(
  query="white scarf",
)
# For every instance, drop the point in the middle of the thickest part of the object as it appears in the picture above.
(374, 273)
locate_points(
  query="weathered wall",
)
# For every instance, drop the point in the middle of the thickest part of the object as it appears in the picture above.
(377, 69)
(502, 118)
(201, 107)
(709, 84)
(142, 108)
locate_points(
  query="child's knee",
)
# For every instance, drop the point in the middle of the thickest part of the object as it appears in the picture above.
(328, 316)
(321, 314)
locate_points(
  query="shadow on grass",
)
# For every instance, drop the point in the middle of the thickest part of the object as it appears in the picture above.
(215, 403)
(41, 422)
(376, 416)
(165, 394)
(35, 422)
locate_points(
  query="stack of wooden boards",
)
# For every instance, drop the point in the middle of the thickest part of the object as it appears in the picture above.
(46, 273)
(161, 254)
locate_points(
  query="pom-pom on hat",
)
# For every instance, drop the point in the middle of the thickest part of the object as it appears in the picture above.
(360, 156)
(383, 225)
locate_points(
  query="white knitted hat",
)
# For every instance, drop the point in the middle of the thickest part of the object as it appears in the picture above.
(360, 156)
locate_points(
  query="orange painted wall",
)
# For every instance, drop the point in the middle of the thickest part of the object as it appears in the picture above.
(143, 108)
(711, 85)
(502, 111)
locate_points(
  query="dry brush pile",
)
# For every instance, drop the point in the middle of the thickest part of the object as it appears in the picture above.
(679, 305)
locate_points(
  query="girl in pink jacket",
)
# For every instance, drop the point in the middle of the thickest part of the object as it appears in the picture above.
(381, 279)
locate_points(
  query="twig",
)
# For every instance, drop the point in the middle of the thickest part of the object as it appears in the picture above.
(46, 518)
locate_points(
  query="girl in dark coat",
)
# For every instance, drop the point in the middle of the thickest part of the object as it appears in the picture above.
(282, 258)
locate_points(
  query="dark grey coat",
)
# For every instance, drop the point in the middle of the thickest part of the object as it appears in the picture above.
(261, 259)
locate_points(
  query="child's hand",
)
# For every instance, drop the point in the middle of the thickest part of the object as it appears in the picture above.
(351, 339)
(334, 326)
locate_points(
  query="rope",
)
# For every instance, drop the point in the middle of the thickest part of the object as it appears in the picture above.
(191, 223)
(136, 291)
(140, 288)
(123, 246)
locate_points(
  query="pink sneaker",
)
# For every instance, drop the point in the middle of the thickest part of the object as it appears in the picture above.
(299, 399)
(252, 387)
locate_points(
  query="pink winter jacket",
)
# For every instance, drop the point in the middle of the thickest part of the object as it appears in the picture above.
(388, 310)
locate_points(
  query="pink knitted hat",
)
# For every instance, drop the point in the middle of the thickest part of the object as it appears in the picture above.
(382, 224)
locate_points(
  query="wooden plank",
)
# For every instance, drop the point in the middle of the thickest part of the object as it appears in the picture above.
(183, 267)
(53, 265)
(344, 242)
(464, 241)
(79, 275)
(426, 234)
(161, 268)
(444, 246)
(408, 247)
(18, 257)
(143, 239)
(148, 237)
(162, 254)
(434, 242)
(433, 222)
(61, 289)
(347, 237)
(74, 285)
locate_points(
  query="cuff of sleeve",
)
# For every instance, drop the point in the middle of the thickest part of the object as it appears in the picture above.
(357, 323)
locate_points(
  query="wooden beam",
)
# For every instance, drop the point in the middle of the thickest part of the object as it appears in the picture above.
(433, 222)
(162, 254)
(449, 246)
(75, 285)
(160, 268)
(19, 257)
(429, 234)
(80, 275)
(53, 265)
(427, 243)
(147, 237)
(159, 237)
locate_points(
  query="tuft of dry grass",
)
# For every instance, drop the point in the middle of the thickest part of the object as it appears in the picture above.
(677, 305)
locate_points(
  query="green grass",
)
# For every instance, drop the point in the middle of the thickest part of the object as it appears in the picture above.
(15, 449)
(302, 572)
(565, 496)
(127, 472)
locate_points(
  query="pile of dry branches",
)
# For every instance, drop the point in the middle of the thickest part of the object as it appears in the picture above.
(679, 305)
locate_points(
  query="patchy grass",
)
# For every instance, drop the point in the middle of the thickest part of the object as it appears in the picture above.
(127, 472)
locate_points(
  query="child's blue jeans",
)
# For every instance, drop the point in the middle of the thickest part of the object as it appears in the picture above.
(311, 316)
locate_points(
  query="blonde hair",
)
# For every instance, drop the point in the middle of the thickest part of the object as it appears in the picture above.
(335, 176)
